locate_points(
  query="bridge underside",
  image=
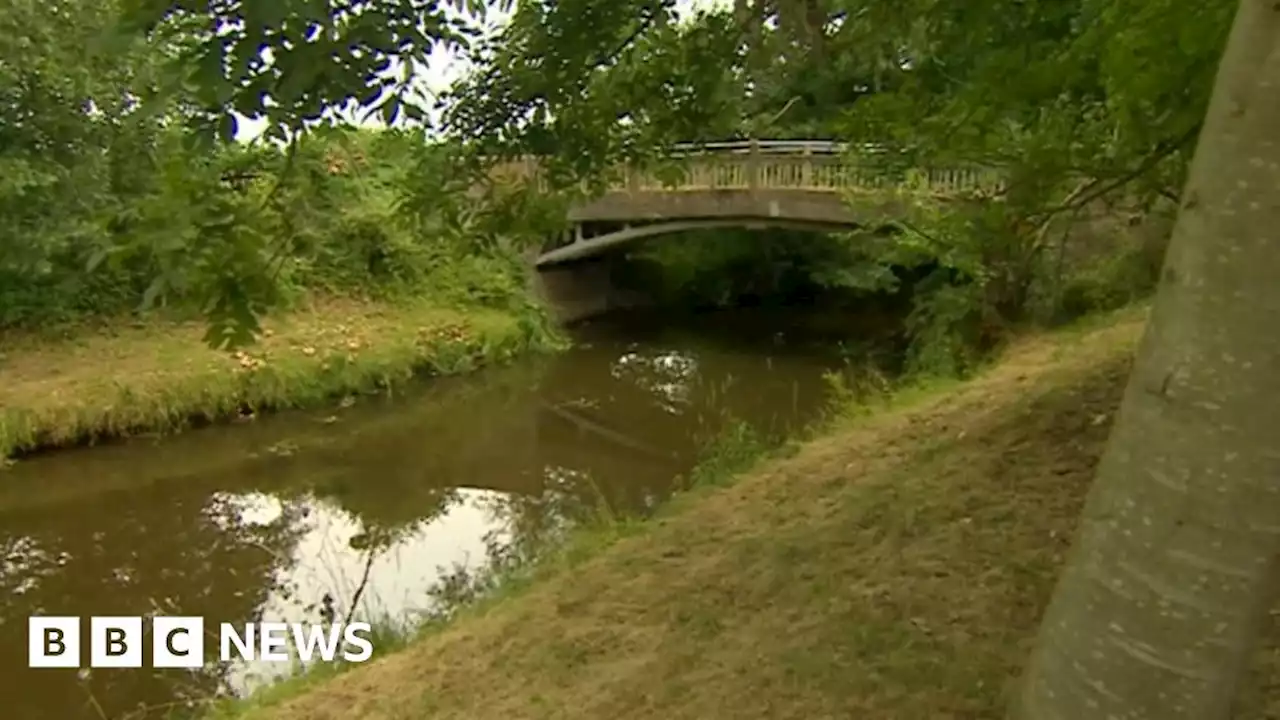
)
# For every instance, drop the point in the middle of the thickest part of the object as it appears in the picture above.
(648, 214)
(583, 247)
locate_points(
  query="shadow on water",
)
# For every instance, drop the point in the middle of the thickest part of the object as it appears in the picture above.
(273, 519)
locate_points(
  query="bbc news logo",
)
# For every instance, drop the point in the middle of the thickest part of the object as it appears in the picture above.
(179, 642)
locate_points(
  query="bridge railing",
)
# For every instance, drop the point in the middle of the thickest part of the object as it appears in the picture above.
(811, 173)
(769, 147)
(812, 166)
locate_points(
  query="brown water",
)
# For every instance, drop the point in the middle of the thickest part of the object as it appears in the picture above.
(262, 520)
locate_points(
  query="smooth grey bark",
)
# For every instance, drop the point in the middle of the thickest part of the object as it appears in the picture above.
(1175, 565)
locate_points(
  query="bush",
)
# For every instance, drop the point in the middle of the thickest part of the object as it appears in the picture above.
(331, 218)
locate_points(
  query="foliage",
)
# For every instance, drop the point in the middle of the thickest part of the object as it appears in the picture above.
(1077, 101)
(228, 230)
(61, 103)
(720, 269)
(112, 208)
(291, 61)
(333, 223)
(1074, 117)
(633, 81)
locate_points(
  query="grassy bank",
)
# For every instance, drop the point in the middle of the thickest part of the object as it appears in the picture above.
(160, 376)
(895, 567)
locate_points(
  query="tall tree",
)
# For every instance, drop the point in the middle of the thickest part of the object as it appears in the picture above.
(1178, 556)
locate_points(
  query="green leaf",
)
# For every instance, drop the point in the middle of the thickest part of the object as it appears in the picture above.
(391, 110)
(97, 258)
(228, 127)
(155, 290)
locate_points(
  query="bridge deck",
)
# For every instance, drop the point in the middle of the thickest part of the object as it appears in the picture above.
(816, 183)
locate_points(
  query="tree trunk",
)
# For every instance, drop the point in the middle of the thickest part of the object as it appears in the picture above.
(1175, 566)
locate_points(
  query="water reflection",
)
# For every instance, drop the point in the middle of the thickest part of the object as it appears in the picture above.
(163, 550)
(387, 499)
(667, 375)
(335, 557)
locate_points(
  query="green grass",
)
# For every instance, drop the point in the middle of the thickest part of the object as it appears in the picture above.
(163, 378)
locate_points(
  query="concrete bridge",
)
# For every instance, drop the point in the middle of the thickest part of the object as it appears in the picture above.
(811, 185)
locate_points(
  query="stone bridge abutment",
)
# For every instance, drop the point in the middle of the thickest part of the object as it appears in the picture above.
(583, 289)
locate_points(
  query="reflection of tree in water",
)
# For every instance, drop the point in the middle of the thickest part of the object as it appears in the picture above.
(397, 507)
(400, 468)
(392, 511)
(524, 527)
(695, 393)
(617, 429)
(633, 421)
(705, 391)
(168, 550)
(668, 376)
(380, 533)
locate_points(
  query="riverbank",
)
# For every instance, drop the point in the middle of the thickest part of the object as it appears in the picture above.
(161, 377)
(895, 567)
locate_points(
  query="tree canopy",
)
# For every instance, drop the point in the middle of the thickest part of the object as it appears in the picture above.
(1078, 100)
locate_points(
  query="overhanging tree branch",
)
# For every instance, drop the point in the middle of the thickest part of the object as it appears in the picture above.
(1097, 188)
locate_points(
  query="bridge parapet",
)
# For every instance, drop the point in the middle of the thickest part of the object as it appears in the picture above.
(804, 166)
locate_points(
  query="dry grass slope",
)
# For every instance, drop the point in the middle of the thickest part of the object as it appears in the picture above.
(895, 569)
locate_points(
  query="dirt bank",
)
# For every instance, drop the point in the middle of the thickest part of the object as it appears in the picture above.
(162, 377)
(895, 568)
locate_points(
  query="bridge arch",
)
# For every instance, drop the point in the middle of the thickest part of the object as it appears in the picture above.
(582, 248)
(807, 185)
